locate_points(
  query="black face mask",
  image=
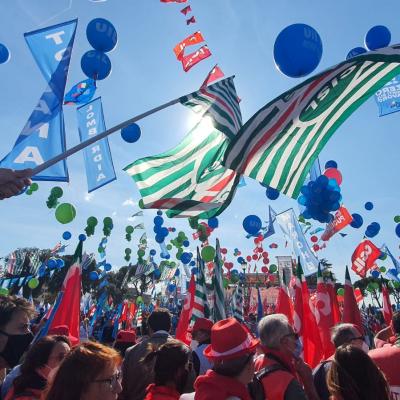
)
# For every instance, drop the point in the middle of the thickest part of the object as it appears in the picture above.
(15, 347)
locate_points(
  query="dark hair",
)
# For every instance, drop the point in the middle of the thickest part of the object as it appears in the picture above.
(167, 360)
(79, 369)
(396, 322)
(160, 320)
(353, 375)
(342, 334)
(121, 347)
(36, 357)
(10, 304)
(233, 367)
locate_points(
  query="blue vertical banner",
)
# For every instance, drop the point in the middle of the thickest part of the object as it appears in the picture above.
(43, 136)
(388, 98)
(292, 230)
(98, 161)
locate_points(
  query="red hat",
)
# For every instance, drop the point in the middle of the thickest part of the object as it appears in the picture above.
(229, 339)
(64, 331)
(126, 337)
(202, 324)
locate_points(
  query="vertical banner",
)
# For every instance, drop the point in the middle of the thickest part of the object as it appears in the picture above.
(388, 98)
(98, 161)
(292, 230)
(285, 268)
(43, 136)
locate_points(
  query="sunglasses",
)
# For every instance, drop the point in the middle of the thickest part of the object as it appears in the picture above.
(112, 381)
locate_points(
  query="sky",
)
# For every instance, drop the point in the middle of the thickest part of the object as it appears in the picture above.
(145, 74)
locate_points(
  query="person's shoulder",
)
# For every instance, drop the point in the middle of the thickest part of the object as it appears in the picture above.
(385, 351)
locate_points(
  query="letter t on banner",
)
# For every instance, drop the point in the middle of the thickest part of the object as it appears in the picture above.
(98, 161)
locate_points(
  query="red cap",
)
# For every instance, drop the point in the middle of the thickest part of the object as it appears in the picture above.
(229, 339)
(202, 324)
(126, 337)
(63, 330)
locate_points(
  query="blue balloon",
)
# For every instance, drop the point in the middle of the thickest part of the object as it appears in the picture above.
(370, 232)
(213, 223)
(302, 200)
(297, 50)
(185, 258)
(192, 263)
(96, 65)
(131, 134)
(241, 260)
(377, 37)
(353, 53)
(159, 212)
(397, 230)
(368, 206)
(171, 287)
(194, 271)
(93, 276)
(375, 274)
(330, 164)
(153, 252)
(163, 231)
(235, 272)
(107, 267)
(66, 235)
(159, 238)
(60, 263)
(186, 243)
(82, 237)
(357, 221)
(252, 224)
(177, 272)
(4, 54)
(158, 220)
(157, 273)
(272, 193)
(101, 34)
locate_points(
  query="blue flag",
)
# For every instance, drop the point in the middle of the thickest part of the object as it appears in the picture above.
(43, 136)
(260, 312)
(81, 93)
(388, 98)
(98, 161)
(392, 273)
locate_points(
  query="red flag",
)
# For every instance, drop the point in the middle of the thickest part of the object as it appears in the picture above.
(186, 314)
(192, 59)
(191, 20)
(364, 257)
(284, 304)
(351, 313)
(68, 312)
(304, 322)
(341, 220)
(336, 315)
(213, 75)
(186, 10)
(387, 307)
(196, 38)
(324, 315)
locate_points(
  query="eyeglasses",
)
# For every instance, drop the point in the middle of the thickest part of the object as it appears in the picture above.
(111, 381)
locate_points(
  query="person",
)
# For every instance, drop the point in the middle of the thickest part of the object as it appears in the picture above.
(89, 372)
(12, 182)
(232, 351)
(283, 374)
(41, 360)
(201, 337)
(15, 334)
(159, 325)
(124, 340)
(387, 357)
(64, 331)
(171, 365)
(341, 334)
(354, 376)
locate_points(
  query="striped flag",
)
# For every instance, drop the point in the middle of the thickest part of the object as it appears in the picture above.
(279, 144)
(351, 312)
(200, 305)
(218, 286)
(189, 180)
(237, 303)
(139, 318)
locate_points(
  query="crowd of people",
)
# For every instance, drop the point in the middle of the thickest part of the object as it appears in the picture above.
(223, 361)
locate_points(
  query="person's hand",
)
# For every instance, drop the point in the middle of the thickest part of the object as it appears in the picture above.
(12, 182)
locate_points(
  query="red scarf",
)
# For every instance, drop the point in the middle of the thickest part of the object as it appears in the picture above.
(161, 393)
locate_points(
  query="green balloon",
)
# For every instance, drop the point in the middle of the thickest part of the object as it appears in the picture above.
(57, 192)
(33, 283)
(181, 235)
(128, 250)
(396, 284)
(34, 187)
(129, 229)
(3, 291)
(29, 192)
(92, 221)
(169, 246)
(141, 204)
(375, 285)
(340, 292)
(397, 219)
(141, 253)
(208, 253)
(107, 221)
(382, 269)
(100, 250)
(383, 257)
(273, 268)
(65, 213)
(139, 300)
(172, 264)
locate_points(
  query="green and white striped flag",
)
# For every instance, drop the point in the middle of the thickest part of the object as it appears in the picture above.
(189, 180)
(278, 145)
(237, 303)
(218, 286)
(200, 304)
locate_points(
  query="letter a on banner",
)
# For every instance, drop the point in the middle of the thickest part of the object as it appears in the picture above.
(43, 136)
(98, 161)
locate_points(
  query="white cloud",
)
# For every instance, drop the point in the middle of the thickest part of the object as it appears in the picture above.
(88, 196)
(130, 202)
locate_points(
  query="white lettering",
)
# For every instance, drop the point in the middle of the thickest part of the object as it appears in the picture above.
(95, 149)
(56, 37)
(90, 123)
(100, 177)
(97, 158)
(44, 131)
(29, 154)
(92, 131)
(42, 107)
(63, 54)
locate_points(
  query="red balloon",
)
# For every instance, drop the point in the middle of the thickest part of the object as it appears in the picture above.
(264, 270)
(316, 247)
(333, 173)
(248, 258)
(260, 249)
(265, 254)
(271, 278)
(260, 237)
(314, 239)
(224, 251)
(255, 257)
(256, 240)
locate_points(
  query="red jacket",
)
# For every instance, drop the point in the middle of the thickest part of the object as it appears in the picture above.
(213, 386)
(161, 393)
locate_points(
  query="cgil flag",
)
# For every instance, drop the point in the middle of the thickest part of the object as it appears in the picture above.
(237, 303)
(278, 145)
(364, 257)
(182, 332)
(192, 59)
(200, 305)
(218, 286)
(189, 180)
(191, 40)
(284, 304)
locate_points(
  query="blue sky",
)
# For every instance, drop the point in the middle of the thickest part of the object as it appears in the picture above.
(241, 35)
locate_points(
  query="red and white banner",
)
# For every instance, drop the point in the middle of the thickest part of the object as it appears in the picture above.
(364, 257)
(341, 220)
(192, 59)
(196, 38)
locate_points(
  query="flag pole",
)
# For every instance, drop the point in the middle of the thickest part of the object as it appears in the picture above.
(100, 136)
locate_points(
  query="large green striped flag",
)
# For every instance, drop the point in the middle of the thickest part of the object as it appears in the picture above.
(189, 180)
(200, 304)
(218, 286)
(278, 145)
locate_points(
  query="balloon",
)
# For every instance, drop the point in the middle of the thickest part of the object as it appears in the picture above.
(185, 258)
(340, 292)
(377, 37)
(153, 252)
(129, 229)
(330, 164)
(177, 272)
(101, 34)
(357, 221)
(382, 269)
(96, 65)
(131, 133)
(397, 219)
(314, 239)
(302, 200)
(213, 223)
(368, 206)
(240, 260)
(355, 52)
(139, 300)
(92, 221)
(171, 287)
(65, 213)
(93, 276)
(158, 220)
(34, 187)
(248, 258)
(186, 243)
(208, 253)
(60, 263)
(272, 193)
(273, 268)
(397, 230)
(4, 54)
(375, 274)
(255, 257)
(82, 237)
(297, 50)
(33, 283)
(66, 235)
(157, 273)
(264, 270)
(52, 263)
(252, 224)
(163, 232)
(194, 271)
(141, 253)
(57, 192)
(333, 173)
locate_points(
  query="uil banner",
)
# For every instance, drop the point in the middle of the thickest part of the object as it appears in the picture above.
(98, 161)
(292, 230)
(388, 98)
(43, 136)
